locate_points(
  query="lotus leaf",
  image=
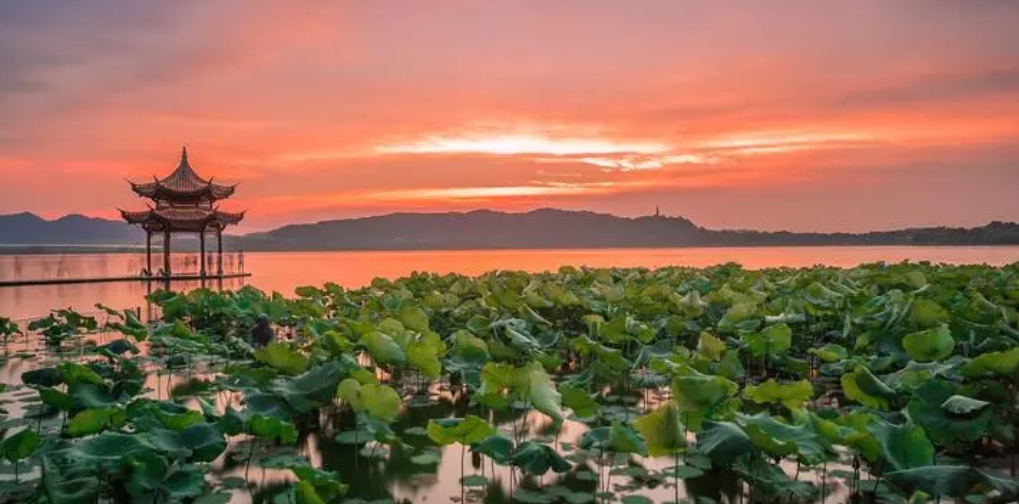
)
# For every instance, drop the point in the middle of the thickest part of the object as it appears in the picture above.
(780, 439)
(1004, 363)
(496, 447)
(663, 430)
(537, 459)
(578, 400)
(863, 387)
(929, 345)
(791, 395)
(466, 431)
(20, 445)
(723, 442)
(903, 446)
(283, 358)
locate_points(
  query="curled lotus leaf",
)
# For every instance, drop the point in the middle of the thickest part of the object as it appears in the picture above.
(929, 345)
(537, 459)
(863, 387)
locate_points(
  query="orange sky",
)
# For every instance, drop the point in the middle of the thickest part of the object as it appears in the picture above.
(784, 114)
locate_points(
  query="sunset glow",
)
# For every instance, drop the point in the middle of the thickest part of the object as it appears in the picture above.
(521, 144)
(775, 115)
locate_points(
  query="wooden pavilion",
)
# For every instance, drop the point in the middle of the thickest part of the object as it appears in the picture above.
(184, 203)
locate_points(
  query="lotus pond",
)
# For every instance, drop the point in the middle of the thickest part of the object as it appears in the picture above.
(881, 383)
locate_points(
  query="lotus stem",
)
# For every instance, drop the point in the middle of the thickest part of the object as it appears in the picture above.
(675, 474)
(824, 480)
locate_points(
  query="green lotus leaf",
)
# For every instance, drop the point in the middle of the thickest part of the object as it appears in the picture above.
(188, 482)
(536, 385)
(903, 446)
(990, 364)
(214, 498)
(537, 459)
(953, 481)
(792, 395)
(578, 400)
(466, 431)
(205, 441)
(710, 347)
(20, 445)
(780, 439)
(414, 318)
(772, 340)
(625, 440)
(863, 387)
(929, 345)
(916, 374)
(830, 353)
(663, 430)
(424, 354)
(616, 438)
(496, 447)
(378, 401)
(119, 347)
(73, 373)
(282, 358)
(180, 421)
(266, 405)
(269, 428)
(698, 395)
(428, 457)
(146, 471)
(311, 389)
(848, 430)
(723, 442)
(110, 446)
(56, 399)
(67, 488)
(962, 405)
(737, 314)
(927, 313)
(690, 304)
(947, 417)
(96, 420)
(45, 377)
(730, 366)
(383, 348)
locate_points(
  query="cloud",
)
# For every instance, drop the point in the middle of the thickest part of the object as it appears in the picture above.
(940, 88)
(507, 103)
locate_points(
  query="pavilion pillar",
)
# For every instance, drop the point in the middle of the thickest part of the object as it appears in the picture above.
(148, 252)
(201, 240)
(166, 253)
(219, 252)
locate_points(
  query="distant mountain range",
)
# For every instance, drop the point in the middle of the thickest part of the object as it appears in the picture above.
(30, 229)
(486, 229)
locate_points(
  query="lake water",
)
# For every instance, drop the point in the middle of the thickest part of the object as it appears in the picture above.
(283, 271)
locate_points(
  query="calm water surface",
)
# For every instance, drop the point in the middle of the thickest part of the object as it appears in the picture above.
(283, 271)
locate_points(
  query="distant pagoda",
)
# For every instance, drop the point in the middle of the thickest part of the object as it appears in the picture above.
(184, 203)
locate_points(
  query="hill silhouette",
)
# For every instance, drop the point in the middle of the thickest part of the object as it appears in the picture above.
(488, 229)
(30, 229)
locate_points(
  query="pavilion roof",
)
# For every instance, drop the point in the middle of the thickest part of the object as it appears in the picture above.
(183, 183)
(182, 218)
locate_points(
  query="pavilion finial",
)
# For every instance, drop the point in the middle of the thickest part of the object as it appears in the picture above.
(184, 155)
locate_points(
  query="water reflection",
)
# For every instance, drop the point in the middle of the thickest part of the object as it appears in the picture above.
(282, 271)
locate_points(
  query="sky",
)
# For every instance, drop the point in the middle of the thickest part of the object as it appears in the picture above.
(786, 114)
